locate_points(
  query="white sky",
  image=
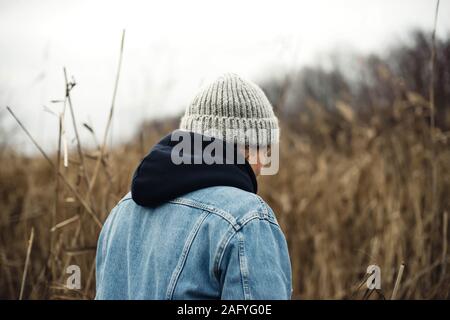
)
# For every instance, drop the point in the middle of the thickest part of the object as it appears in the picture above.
(171, 47)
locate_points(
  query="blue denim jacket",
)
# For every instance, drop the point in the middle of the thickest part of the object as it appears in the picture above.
(213, 243)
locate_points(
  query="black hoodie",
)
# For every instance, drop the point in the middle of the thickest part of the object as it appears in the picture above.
(157, 179)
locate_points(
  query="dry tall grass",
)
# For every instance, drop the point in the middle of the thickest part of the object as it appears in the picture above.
(361, 196)
(345, 198)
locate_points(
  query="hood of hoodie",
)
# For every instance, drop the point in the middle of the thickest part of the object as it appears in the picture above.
(158, 179)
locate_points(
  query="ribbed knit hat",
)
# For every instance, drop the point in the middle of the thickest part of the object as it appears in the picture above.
(234, 110)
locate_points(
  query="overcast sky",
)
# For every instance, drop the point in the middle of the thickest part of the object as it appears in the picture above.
(171, 47)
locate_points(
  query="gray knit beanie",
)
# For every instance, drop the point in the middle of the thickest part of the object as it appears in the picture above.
(234, 110)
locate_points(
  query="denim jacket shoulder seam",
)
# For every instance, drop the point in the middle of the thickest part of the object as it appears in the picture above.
(261, 211)
(203, 206)
(256, 214)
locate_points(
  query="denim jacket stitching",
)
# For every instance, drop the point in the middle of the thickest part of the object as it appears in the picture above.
(253, 215)
(244, 268)
(220, 251)
(226, 239)
(202, 206)
(264, 208)
(184, 254)
(261, 212)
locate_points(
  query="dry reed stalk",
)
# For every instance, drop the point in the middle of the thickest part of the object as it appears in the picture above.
(27, 262)
(58, 165)
(80, 251)
(82, 166)
(397, 282)
(432, 68)
(61, 141)
(75, 128)
(111, 113)
(434, 170)
(359, 286)
(65, 223)
(64, 179)
(64, 141)
(51, 254)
